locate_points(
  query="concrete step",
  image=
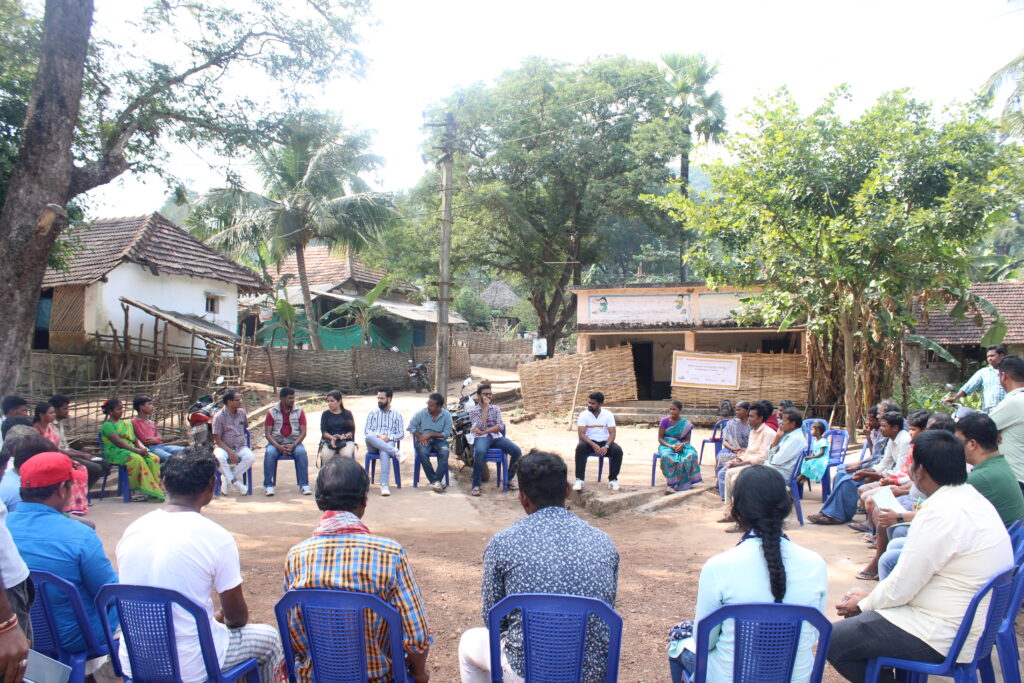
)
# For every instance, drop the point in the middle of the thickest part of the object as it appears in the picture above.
(601, 502)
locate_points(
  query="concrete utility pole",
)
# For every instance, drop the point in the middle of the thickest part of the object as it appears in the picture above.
(444, 282)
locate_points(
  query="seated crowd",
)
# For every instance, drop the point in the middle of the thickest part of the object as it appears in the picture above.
(938, 497)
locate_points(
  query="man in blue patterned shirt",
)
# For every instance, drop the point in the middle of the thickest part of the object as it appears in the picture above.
(986, 379)
(551, 550)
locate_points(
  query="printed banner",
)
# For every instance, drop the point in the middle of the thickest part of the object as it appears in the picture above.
(706, 370)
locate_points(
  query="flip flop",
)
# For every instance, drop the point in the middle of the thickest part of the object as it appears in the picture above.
(475, 491)
(823, 519)
(867, 576)
(857, 526)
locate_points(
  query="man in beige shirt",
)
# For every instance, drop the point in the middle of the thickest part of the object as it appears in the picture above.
(761, 438)
(1009, 415)
(956, 543)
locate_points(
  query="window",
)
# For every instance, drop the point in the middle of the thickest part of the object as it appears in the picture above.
(212, 303)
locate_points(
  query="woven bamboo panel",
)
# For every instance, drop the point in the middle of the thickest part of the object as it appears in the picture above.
(458, 360)
(489, 342)
(772, 376)
(550, 385)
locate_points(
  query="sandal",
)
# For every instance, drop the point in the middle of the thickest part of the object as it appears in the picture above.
(823, 519)
(475, 491)
(857, 526)
(867, 576)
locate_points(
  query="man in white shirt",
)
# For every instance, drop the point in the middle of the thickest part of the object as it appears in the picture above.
(760, 440)
(956, 544)
(596, 429)
(1009, 415)
(176, 547)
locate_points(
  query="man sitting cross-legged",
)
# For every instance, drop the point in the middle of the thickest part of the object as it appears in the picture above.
(176, 547)
(486, 433)
(551, 550)
(50, 541)
(344, 555)
(956, 544)
(760, 440)
(384, 431)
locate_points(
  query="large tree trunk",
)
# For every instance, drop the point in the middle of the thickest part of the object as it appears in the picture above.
(684, 191)
(850, 398)
(307, 301)
(42, 176)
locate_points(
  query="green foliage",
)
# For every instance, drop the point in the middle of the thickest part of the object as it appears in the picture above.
(361, 310)
(930, 397)
(469, 305)
(19, 43)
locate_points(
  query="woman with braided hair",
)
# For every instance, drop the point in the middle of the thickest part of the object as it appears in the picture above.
(764, 567)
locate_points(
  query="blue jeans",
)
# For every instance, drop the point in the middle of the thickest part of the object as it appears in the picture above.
(480, 446)
(439, 446)
(841, 504)
(164, 451)
(887, 562)
(270, 457)
(685, 661)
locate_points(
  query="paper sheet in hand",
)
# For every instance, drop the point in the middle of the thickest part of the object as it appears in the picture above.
(885, 500)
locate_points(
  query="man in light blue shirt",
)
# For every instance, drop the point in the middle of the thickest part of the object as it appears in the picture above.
(986, 379)
(431, 428)
(783, 457)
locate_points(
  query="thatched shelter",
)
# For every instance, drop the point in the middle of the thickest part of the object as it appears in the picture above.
(499, 296)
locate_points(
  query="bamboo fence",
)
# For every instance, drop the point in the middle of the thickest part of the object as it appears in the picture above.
(551, 384)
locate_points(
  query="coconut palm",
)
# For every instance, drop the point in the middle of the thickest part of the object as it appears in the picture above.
(312, 194)
(700, 114)
(1011, 74)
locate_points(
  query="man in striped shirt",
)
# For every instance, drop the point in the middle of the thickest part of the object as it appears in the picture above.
(344, 555)
(384, 430)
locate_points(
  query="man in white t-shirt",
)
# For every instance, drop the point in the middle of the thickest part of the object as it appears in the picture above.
(176, 547)
(596, 428)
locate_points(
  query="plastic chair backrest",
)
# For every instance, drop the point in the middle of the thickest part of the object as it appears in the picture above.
(838, 440)
(52, 590)
(555, 631)
(767, 639)
(1016, 532)
(1016, 599)
(333, 622)
(719, 429)
(147, 630)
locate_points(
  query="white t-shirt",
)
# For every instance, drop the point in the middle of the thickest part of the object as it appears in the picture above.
(13, 569)
(597, 425)
(191, 554)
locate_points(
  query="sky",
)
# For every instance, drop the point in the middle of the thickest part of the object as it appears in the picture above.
(423, 50)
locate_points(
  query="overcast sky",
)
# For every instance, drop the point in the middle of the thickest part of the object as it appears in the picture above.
(420, 51)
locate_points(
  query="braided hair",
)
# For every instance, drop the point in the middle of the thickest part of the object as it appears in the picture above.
(760, 505)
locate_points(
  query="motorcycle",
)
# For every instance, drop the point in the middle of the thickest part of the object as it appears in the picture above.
(418, 376)
(200, 416)
(960, 411)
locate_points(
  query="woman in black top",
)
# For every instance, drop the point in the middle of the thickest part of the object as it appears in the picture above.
(338, 427)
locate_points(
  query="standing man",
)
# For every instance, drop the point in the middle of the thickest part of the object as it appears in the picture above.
(178, 548)
(551, 550)
(1009, 415)
(986, 379)
(487, 432)
(146, 430)
(12, 406)
(596, 429)
(431, 428)
(231, 445)
(285, 428)
(384, 431)
(94, 466)
(344, 555)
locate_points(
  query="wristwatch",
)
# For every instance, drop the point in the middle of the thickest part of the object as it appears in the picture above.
(899, 517)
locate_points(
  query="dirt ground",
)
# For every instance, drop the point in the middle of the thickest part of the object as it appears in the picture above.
(445, 535)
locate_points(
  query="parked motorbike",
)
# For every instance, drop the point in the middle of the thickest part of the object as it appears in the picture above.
(418, 376)
(959, 411)
(462, 439)
(200, 416)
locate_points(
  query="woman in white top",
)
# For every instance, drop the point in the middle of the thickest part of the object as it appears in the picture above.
(764, 567)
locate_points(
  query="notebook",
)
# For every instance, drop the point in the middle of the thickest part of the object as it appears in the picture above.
(42, 669)
(885, 500)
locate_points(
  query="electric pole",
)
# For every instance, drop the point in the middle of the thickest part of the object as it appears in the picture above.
(444, 281)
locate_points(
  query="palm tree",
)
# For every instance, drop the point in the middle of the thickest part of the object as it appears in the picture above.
(1011, 73)
(313, 194)
(700, 113)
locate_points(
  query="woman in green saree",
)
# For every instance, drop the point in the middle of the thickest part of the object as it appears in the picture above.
(678, 457)
(120, 447)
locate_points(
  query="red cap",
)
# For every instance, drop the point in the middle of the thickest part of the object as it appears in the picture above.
(45, 469)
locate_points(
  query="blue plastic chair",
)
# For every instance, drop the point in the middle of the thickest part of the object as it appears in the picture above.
(1000, 588)
(600, 462)
(715, 440)
(372, 457)
(1006, 638)
(52, 590)
(806, 427)
(794, 488)
(554, 635)
(124, 487)
(838, 440)
(767, 640)
(334, 625)
(418, 466)
(246, 478)
(500, 458)
(147, 632)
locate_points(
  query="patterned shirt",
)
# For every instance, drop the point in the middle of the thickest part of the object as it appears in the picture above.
(551, 551)
(231, 428)
(388, 422)
(992, 392)
(367, 564)
(493, 417)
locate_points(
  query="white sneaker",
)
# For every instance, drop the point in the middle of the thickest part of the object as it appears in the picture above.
(268, 490)
(384, 490)
(578, 486)
(437, 486)
(401, 458)
(241, 488)
(306, 491)
(613, 484)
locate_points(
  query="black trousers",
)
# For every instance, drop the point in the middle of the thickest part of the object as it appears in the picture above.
(868, 635)
(21, 597)
(584, 451)
(93, 469)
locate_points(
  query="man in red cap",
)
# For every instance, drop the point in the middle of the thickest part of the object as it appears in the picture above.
(52, 542)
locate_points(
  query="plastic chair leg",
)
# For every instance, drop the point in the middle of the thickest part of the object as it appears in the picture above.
(124, 486)
(1006, 646)
(796, 503)
(600, 467)
(654, 467)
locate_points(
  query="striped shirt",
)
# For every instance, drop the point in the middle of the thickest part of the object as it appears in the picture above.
(367, 564)
(992, 392)
(389, 423)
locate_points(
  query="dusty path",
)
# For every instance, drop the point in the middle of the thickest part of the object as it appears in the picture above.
(445, 536)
